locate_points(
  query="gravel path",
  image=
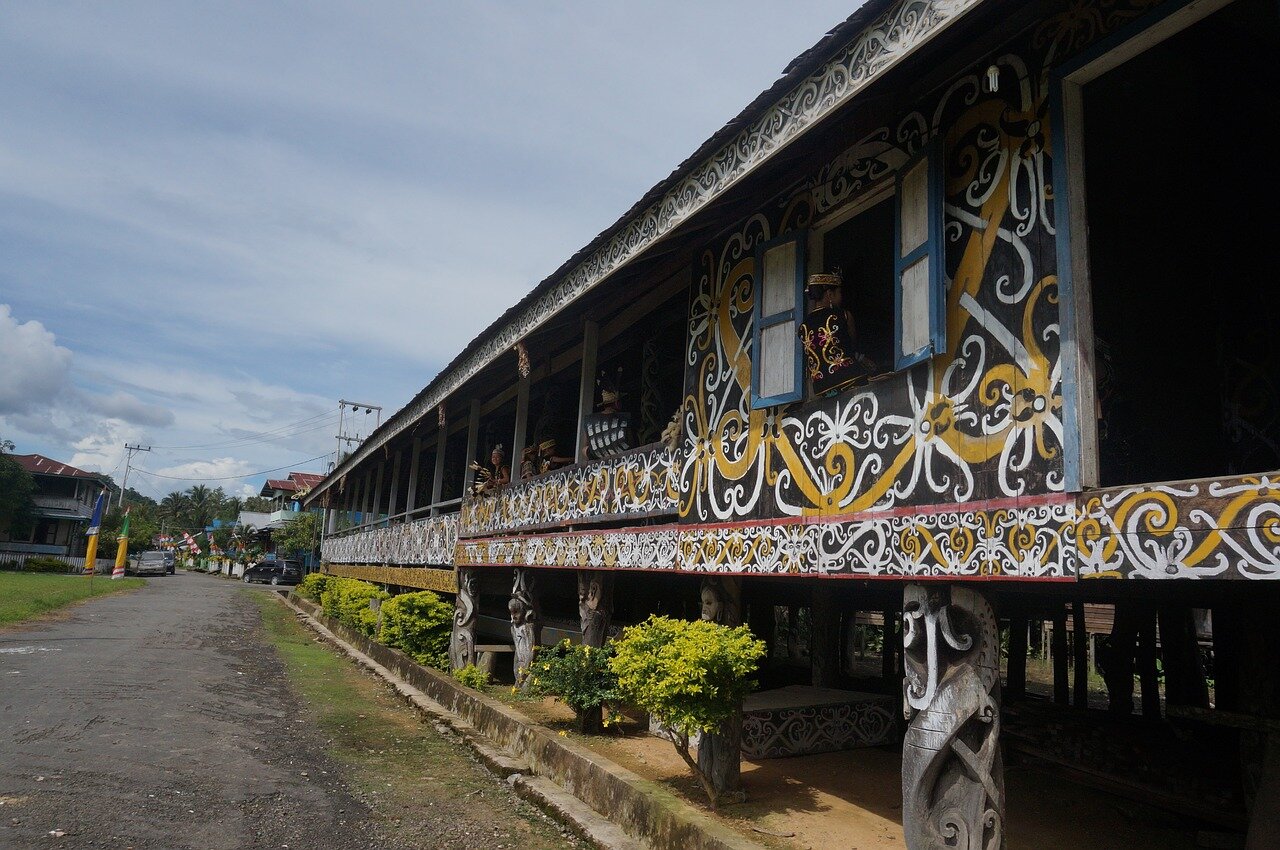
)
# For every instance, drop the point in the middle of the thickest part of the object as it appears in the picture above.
(162, 719)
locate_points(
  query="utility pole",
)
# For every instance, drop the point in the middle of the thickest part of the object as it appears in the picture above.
(130, 451)
(356, 407)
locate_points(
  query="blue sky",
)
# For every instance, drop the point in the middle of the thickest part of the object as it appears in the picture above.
(218, 219)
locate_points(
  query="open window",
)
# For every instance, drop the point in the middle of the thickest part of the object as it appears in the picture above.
(777, 375)
(1171, 221)
(919, 273)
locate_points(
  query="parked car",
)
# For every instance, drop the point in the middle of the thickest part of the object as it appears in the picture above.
(274, 572)
(170, 562)
(152, 563)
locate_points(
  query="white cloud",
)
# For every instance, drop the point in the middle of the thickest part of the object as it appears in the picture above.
(122, 405)
(223, 467)
(35, 366)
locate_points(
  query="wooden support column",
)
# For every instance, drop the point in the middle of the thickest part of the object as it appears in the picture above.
(522, 426)
(824, 647)
(587, 389)
(889, 645)
(462, 642)
(952, 772)
(411, 497)
(437, 478)
(393, 496)
(1184, 679)
(1227, 637)
(1147, 674)
(526, 623)
(1017, 685)
(1080, 656)
(473, 439)
(595, 613)
(763, 624)
(367, 494)
(378, 491)
(1061, 685)
(720, 753)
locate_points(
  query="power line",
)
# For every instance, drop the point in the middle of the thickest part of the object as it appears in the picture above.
(231, 477)
(257, 435)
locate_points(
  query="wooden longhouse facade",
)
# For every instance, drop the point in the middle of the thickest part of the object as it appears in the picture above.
(1053, 255)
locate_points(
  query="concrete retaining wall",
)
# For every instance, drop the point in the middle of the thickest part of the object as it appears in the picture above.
(643, 808)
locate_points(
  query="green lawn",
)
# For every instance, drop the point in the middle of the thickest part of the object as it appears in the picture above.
(27, 595)
(414, 778)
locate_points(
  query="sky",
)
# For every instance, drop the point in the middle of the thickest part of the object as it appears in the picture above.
(218, 219)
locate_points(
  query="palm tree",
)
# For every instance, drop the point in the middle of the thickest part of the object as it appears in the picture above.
(173, 508)
(200, 501)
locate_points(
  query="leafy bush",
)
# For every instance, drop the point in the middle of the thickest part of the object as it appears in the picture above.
(347, 600)
(313, 585)
(47, 564)
(577, 675)
(418, 624)
(692, 674)
(472, 676)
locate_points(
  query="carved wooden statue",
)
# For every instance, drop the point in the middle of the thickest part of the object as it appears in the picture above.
(595, 605)
(462, 644)
(526, 623)
(720, 753)
(952, 774)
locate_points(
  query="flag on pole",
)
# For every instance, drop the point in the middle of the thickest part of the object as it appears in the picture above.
(192, 546)
(95, 525)
(122, 550)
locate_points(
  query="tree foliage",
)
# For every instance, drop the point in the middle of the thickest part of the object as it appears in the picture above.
(17, 507)
(691, 674)
(299, 534)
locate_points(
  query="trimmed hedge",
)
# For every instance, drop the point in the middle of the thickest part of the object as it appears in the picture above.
(47, 564)
(347, 600)
(313, 585)
(419, 625)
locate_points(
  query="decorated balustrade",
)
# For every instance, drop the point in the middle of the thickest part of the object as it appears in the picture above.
(630, 486)
(428, 541)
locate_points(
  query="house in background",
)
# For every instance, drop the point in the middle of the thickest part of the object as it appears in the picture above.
(286, 492)
(64, 499)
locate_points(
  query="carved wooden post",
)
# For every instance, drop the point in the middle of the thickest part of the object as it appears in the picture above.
(595, 605)
(952, 774)
(824, 640)
(526, 623)
(720, 753)
(462, 644)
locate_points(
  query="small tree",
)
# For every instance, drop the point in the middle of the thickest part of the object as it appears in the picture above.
(579, 676)
(298, 534)
(17, 507)
(691, 674)
(420, 625)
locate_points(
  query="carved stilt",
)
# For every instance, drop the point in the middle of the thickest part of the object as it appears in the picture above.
(595, 606)
(720, 753)
(952, 774)
(526, 623)
(824, 642)
(462, 644)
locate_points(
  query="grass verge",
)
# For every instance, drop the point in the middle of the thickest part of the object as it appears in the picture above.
(424, 786)
(27, 595)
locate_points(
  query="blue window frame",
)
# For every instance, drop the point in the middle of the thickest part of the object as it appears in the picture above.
(920, 287)
(777, 359)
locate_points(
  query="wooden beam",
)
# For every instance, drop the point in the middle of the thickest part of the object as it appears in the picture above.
(411, 497)
(587, 389)
(473, 437)
(522, 425)
(437, 479)
(1017, 685)
(1061, 692)
(377, 491)
(1080, 655)
(393, 500)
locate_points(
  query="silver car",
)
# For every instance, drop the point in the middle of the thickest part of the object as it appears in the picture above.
(152, 564)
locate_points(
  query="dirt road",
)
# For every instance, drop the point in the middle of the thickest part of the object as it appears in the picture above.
(163, 719)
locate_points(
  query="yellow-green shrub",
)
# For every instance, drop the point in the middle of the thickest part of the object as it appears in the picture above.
(347, 600)
(691, 674)
(419, 625)
(312, 585)
(472, 676)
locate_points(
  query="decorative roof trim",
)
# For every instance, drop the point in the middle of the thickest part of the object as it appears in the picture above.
(899, 31)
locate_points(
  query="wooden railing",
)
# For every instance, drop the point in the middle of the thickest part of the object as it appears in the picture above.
(633, 485)
(426, 542)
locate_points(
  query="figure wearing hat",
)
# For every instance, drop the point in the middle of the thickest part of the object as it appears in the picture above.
(496, 474)
(827, 334)
(549, 457)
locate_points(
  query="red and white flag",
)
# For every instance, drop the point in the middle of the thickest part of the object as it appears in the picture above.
(191, 543)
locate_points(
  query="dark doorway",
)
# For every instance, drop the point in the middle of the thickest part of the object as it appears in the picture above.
(1182, 221)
